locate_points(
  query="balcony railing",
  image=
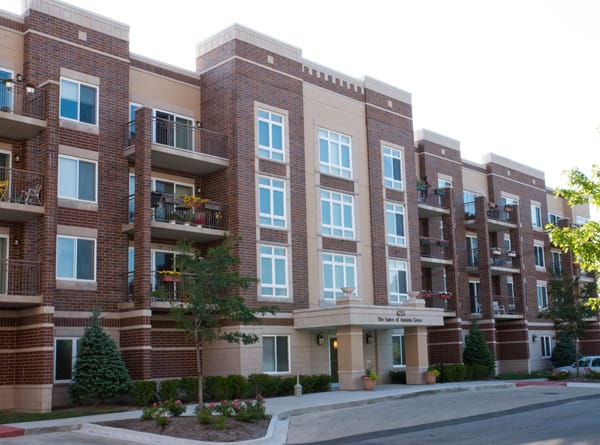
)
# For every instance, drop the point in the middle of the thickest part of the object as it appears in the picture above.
(162, 286)
(438, 299)
(21, 99)
(435, 248)
(20, 186)
(501, 214)
(504, 305)
(502, 259)
(170, 208)
(437, 198)
(19, 277)
(182, 136)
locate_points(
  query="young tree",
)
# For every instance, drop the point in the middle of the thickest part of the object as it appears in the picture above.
(100, 372)
(583, 241)
(210, 287)
(564, 353)
(476, 349)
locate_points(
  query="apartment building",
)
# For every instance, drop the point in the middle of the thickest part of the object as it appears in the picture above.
(377, 242)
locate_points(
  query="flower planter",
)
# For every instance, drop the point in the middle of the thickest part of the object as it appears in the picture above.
(430, 378)
(496, 252)
(368, 383)
(170, 278)
(445, 295)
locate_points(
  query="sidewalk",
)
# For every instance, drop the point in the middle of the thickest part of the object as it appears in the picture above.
(280, 408)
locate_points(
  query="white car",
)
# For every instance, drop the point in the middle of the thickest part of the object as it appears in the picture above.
(586, 364)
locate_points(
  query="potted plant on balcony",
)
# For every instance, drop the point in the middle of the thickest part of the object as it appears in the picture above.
(426, 293)
(172, 276)
(496, 251)
(511, 253)
(369, 379)
(445, 295)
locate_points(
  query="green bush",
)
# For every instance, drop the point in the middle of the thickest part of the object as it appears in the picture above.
(169, 389)
(564, 353)
(477, 372)
(398, 377)
(264, 384)
(593, 375)
(477, 354)
(189, 389)
(454, 372)
(143, 392)
(237, 386)
(559, 375)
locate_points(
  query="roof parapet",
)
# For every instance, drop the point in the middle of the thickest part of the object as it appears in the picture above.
(431, 136)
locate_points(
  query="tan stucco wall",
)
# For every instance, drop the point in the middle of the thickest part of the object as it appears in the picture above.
(323, 109)
(557, 206)
(154, 91)
(474, 181)
(11, 50)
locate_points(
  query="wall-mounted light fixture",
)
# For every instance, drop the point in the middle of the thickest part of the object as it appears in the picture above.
(534, 338)
(368, 338)
(198, 124)
(19, 78)
(334, 343)
(17, 158)
(16, 242)
(320, 339)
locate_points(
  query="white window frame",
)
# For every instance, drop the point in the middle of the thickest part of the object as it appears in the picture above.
(347, 263)
(536, 216)
(394, 268)
(402, 346)
(539, 256)
(268, 151)
(553, 218)
(334, 168)
(392, 210)
(75, 345)
(546, 346)
(337, 201)
(475, 285)
(95, 259)
(510, 289)
(389, 156)
(174, 122)
(79, 84)
(289, 354)
(472, 252)
(271, 185)
(541, 291)
(79, 160)
(273, 256)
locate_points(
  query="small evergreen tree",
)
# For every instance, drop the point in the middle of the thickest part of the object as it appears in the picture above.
(476, 350)
(100, 372)
(564, 352)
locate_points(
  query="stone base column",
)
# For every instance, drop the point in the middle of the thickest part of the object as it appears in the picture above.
(351, 364)
(417, 361)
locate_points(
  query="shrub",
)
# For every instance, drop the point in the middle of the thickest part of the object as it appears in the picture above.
(477, 372)
(398, 376)
(559, 375)
(160, 412)
(265, 385)
(243, 410)
(564, 353)
(593, 375)
(454, 372)
(237, 386)
(169, 389)
(477, 354)
(143, 392)
(189, 389)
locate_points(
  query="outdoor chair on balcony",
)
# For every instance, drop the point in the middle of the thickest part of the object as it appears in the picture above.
(32, 194)
(3, 190)
(498, 308)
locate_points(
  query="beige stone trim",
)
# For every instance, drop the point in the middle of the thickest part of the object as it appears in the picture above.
(161, 64)
(4, 231)
(423, 134)
(79, 126)
(137, 348)
(75, 204)
(79, 76)
(86, 314)
(514, 165)
(76, 231)
(387, 90)
(179, 348)
(21, 350)
(134, 327)
(78, 152)
(387, 110)
(11, 16)
(80, 17)
(76, 285)
(137, 313)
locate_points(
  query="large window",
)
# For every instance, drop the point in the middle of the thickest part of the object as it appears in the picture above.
(394, 219)
(469, 203)
(542, 294)
(276, 353)
(65, 354)
(556, 263)
(397, 281)
(273, 271)
(553, 218)
(538, 253)
(474, 294)
(392, 168)
(271, 194)
(6, 93)
(133, 107)
(337, 214)
(173, 130)
(78, 101)
(546, 344)
(472, 255)
(76, 179)
(270, 135)
(536, 216)
(398, 354)
(335, 154)
(75, 258)
(338, 271)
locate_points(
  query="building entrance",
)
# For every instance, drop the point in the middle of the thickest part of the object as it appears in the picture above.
(333, 359)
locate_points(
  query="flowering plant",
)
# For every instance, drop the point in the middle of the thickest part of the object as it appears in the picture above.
(369, 371)
(243, 410)
(169, 272)
(193, 202)
(161, 411)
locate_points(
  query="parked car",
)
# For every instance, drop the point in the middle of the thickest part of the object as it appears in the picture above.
(586, 364)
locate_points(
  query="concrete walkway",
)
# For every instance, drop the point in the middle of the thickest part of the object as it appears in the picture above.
(280, 408)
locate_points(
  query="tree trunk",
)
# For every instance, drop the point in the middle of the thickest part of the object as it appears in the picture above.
(199, 372)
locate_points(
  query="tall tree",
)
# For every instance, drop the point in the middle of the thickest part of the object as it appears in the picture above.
(583, 241)
(100, 372)
(211, 285)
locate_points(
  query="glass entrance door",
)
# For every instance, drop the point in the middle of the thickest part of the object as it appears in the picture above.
(333, 359)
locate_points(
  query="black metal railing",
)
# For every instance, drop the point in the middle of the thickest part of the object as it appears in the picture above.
(436, 198)
(501, 259)
(21, 99)
(472, 257)
(469, 210)
(19, 277)
(435, 248)
(162, 285)
(169, 208)
(505, 214)
(504, 305)
(183, 137)
(20, 186)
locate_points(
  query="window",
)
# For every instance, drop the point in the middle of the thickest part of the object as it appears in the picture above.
(581, 220)
(65, 354)
(444, 183)
(472, 258)
(338, 271)
(6, 93)
(394, 218)
(397, 282)
(270, 135)
(510, 290)
(276, 354)
(335, 154)
(273, 271)
(474, 294)
(507, 244)
(392, 168)
(132, 109)
(553, 219)
(78, 101)
(337, 214)
(536, 216)
(173, 130)
(546, 344)
(271, 193)
(76, 179)
(556, 263)
(538, 253)
(542, 294)
(469, 203)
(75, 258)
(399, 358)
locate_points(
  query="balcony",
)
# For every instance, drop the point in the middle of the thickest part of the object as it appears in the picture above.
(499, 220)
(20, 195)
(435, 252)
(19, 283)
(21, 111)
(165, 288)
(440, 300)
(172, 220)
(503, 263)
(182, 148)
(505, 307)
(432, 204)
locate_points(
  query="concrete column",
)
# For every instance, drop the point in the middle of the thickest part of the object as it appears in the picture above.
(415, 340)
(351, 363)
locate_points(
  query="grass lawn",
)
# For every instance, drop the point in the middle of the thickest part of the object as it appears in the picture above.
(12, 417)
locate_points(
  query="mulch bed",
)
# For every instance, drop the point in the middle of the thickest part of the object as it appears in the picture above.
(189, 427)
